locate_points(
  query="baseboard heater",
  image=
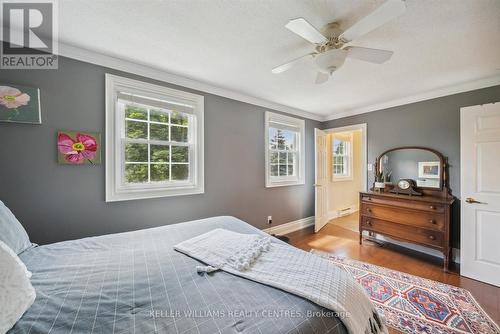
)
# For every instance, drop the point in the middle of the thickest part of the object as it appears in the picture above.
(345, 212)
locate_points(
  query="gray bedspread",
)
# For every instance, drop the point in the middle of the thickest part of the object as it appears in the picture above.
(136, 283)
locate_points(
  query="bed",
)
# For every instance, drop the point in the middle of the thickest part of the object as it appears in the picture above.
(135, 282)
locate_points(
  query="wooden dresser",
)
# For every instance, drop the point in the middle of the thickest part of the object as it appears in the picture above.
(423, 220)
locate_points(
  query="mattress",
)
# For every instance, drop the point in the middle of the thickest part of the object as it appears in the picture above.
(135, 282)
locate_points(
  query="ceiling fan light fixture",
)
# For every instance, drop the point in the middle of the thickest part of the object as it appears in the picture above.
(330, 61)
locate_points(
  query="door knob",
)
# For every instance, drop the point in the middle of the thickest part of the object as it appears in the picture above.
(471, 200)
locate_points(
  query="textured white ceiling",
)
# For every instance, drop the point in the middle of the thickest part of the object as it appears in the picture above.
(234, 44)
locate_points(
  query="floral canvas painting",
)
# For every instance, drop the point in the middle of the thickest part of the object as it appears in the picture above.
(78, 148)
(19, 104)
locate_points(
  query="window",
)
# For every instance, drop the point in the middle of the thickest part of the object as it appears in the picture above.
(284, 150)
(154, 141)
(341, 158)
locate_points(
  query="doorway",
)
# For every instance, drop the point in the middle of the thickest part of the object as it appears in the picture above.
(341, 173)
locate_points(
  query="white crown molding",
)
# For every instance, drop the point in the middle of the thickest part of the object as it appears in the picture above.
(450, 90)
(100, 59)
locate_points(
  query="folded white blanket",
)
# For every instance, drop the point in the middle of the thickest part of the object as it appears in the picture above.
(304, 274)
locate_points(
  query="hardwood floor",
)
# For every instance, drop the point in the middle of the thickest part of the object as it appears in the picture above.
(341, 241)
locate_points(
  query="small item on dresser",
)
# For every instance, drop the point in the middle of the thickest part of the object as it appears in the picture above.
(406, 186)
(379, 181)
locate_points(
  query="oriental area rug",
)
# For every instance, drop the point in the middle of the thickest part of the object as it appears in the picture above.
(413, 304)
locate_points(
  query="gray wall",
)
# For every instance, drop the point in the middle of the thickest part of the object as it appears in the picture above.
(433, 123)
(59, 202)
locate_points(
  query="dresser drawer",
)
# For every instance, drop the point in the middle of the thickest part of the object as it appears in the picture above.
(407, 203)
(404, 232)
(429, 220)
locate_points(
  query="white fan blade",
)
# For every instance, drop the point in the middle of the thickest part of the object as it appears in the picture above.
(370, 55)
(388, 11)
(305, 30)
(322, 77)
(286, 66)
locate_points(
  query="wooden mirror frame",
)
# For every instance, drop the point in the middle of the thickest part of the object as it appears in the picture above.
(443, 190)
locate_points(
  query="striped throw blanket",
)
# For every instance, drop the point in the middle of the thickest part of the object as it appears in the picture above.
(287, 268)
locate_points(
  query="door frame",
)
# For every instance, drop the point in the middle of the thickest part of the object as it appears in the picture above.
(364, 141)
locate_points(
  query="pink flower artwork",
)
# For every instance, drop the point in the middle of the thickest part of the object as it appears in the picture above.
(78, 148)
(13, 98)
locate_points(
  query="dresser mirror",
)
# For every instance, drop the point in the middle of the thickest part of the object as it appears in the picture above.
(423, 165)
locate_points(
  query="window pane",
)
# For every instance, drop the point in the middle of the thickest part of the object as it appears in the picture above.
(159, 172)
(282, 170)
(179, 134)
(282, 159)
(290, 137)
(136, 112)
(273, 158)
(180, 172)
(180, 154)
(158, 132)
(291, 158)
(136, 173)
(274, 170)
(136, 152)
(158, 116)
(290, 170)
(178, 118)
(272, 138)
(280, 139)
(159, 153)
(137, 130)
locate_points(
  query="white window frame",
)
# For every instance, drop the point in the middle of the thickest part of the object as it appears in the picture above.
(287, 121)
(348, 152)
(116, 188)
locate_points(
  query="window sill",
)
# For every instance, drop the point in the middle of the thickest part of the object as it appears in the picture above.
(341, 179)
(147, 194)
(283, 184)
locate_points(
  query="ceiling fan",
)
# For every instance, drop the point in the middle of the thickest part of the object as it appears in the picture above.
(334, 46)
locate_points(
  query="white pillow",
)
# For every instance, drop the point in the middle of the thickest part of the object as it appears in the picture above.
(16, 292)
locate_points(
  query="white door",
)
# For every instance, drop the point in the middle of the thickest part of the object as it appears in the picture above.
(320, 181)
(480, 194)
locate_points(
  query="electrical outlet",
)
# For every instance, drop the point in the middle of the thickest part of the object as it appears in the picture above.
(269, 220)
(370, 167)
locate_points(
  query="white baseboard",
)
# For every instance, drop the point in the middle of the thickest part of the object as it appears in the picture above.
(291, 226)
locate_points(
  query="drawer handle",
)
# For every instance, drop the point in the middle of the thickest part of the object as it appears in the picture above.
(369, 222)
(432, 207)
(369, 210)
(432, 237)
(432, 221)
